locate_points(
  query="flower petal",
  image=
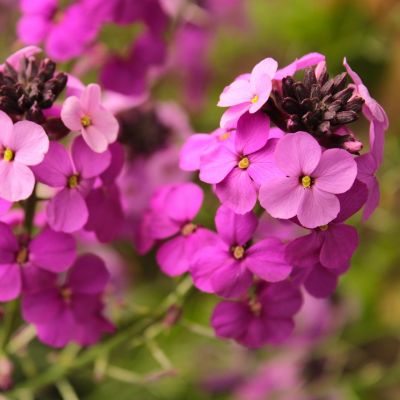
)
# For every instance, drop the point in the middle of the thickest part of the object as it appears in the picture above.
(17, 181)
(72, 113)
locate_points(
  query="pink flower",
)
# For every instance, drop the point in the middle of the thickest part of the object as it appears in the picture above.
(226, 265)
(67, 211)
(20, 258)
(250, 92)
(21, 145)
(309, 182)
(175, 207)
(306, 61)
(266, 318)
(86, 114)
(330, 245)
(239, 170)
(69, 310)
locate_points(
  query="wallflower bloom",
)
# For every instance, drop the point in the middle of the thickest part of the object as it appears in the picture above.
(266, 318)
(67, 211)
(309, 182)
(19, 258)
(250, 92)
(21, 145)
(178, 205)
(69, 310)
(86, 114)
(239, 171)
(226, 266)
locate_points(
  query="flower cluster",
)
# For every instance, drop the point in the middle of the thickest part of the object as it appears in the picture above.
(284, 155)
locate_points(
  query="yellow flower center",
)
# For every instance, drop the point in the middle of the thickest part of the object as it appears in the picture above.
(66, 294)
(323, 228)
(306, 181)
(22, 256)
(8, 155)
(244, 163)
(254, 99)
(73, 181)
(238, 252)
(224, 136)
(188, 229)
(86, 121)
(255, 307)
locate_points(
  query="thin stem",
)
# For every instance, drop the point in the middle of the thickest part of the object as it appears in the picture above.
(8, 324)
(30, 208)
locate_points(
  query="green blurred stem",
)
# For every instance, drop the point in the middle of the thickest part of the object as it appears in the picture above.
(136, 327)
(30, 208)
(7, 324)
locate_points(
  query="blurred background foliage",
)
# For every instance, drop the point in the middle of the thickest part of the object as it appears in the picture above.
(361, 357)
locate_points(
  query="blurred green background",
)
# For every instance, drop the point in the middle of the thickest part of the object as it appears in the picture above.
(362, 356)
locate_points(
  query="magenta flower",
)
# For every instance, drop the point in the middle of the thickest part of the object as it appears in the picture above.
(86, 114)
(65, 33)
(306, 61)
(239, 170)
(178, 205)
(330, 245)
(226, 266)
(310, 181)
(250, 92)
(67, 211)
(21, 145)
(266, 318)
(69, 310)
(373, 112)
(21, 257)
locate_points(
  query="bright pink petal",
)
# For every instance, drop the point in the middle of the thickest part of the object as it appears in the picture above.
(252, 133)
(297, 154)
(88, 275)
(317, 208)
(340, 242)
(237, 191)
(281, 197)
(172, 256)
(307, 60)
(232, 114)
(8, 244)
(91, 99)
(7, 128)
(88, 163)
(29, 142)
(10, 281)
(217, 164)
(266, 259)
(335, 172)
(184, 202)
(42, 306)
(67, 211)
(28, 51)
(237, 92)
(17, 181)
(53, 251)
(373, 199)
(71, 113)
(56, 167)
(193, 149)
(235, 229)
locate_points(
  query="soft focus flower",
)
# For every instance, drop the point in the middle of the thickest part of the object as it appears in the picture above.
(239, 170)
(266, 318)
(86, 114)
(226, 266)
(21, 257)
(309, 182)
(67, 211)
(21, 145)
(69, 309)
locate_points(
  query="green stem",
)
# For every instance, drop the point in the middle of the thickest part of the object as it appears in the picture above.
(30, 208)
(7, 325)
(136, 327)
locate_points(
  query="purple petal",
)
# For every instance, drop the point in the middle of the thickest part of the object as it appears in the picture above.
(232, 114)
(373, 200)
(297, 154)
(88, 163)
(304, 251)
(9, 245)
(352, 200)
(317, 208)
(340, 242)
(193, 149)
(53, 251)
(67, 211)
(216, 164)
(252, 133)
(235, 229)
(266, 259)
(88, 275)
(237, 92)
(237, 191)
(10, 281)
(172, 256)
(17, 181)
(116, 165)
(335, 172)
(321, 282)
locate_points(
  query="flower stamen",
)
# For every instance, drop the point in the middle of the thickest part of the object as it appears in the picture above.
(244, 163)
(8, 155)
(323, 227)
(188, 229)
(22, 256)
(238, 252)
(254, 99)
(73, 181)
(306, 181)
(86, 121)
